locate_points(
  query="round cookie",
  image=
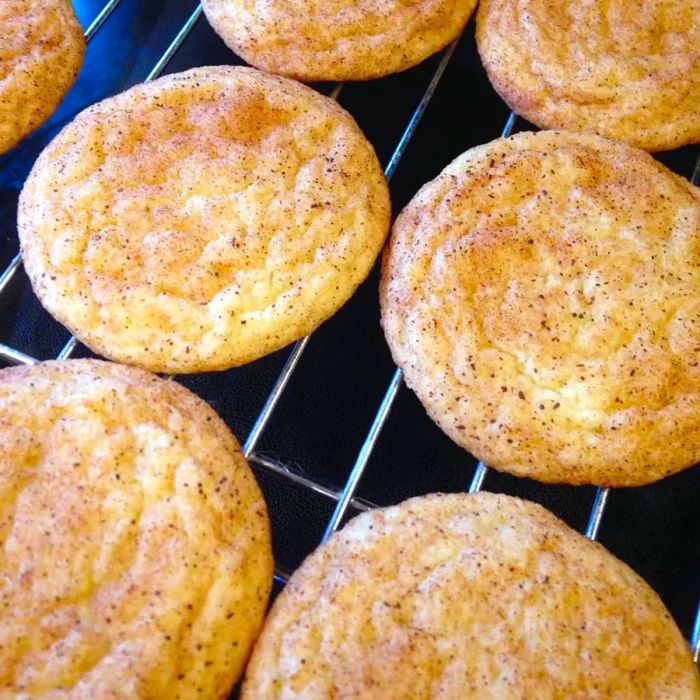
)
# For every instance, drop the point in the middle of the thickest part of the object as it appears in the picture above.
(336, 39)
(40, 55)
(203, 220)
(467, 596)
(136, 546)
(542, 296)
(625, 70)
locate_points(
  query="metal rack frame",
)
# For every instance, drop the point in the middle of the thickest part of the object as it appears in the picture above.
(346, 497)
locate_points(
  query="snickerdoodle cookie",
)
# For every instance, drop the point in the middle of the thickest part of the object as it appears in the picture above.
(202, 220)
(542, 296)
(467, 596)
(41, 51)
(336, 39)
(629, 71)
(136, 554)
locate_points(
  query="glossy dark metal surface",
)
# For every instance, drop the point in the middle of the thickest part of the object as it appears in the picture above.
(331, 399)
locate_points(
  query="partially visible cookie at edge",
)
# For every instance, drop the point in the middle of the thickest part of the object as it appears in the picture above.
(467, 596)
(202, 220)
(625, 70)
(40, 55)
(136, 544)
(314, 40)
(542, 297)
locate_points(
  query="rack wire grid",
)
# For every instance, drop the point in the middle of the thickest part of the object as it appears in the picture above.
(345, 499)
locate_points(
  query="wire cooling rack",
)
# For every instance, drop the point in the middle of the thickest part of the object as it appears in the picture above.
(346, 498)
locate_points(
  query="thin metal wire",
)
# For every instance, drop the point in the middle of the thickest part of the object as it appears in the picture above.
(509, 125)
(298, 349)
(274, 396)
(295, 476)
(695, 637)
(21, 358)
(363, 456)
(392, 391)
(410, 129)
(16, 356)
(10, 271)
(96, 23)
(175, 45)
(281, 576)
(478, 478)
(68, 348)
(289, 366)
(335, 92)
(596, 517)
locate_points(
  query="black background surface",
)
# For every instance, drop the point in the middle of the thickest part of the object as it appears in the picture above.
(329, 405)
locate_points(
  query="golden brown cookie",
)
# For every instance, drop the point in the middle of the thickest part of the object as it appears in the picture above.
(41, 51)
(336, 39)
(542, 296)
(467, 596)
(136, 555)
(203, 220)
(626, 70)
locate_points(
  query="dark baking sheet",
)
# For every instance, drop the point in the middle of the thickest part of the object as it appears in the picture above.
(329, 405)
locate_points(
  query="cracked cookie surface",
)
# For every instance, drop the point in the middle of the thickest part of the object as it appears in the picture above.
(625, 70)
(337, 39)
(41, 51)
(542, 296)
(202, 220)
(456, 597)
(135, 558)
